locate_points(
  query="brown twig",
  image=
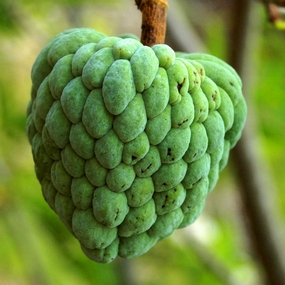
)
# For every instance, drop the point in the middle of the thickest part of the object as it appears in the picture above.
(153, 21)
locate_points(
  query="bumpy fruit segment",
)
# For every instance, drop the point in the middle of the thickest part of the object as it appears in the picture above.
(128, 140)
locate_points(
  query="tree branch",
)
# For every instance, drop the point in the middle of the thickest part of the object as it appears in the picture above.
(251, 174)
(249, 167)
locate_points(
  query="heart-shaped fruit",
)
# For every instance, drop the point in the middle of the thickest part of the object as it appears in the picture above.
(128, 140)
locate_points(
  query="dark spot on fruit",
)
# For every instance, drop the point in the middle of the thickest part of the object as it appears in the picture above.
(143, 171)
(196, 182)
(180, 124)
(231, 84)
(169, 151)
(180, 85)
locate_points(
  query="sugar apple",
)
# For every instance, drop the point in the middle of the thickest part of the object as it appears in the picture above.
(128, 140)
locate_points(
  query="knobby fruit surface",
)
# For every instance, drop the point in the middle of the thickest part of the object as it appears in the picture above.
(128, 140)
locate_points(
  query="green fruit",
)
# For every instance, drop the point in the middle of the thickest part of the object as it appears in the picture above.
(91, 233)
(109, 208)
(138, 220)
(169, 200)
(140, 192)
(166, 224)
(118, 90)
(128, 140)
(82, 192)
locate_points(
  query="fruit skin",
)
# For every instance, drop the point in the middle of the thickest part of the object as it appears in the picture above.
(129, 140)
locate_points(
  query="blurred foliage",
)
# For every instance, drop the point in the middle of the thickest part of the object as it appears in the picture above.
(36, 248)
(271, 106)
(8, 20)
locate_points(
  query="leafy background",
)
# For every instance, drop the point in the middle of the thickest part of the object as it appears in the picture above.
(34, 246)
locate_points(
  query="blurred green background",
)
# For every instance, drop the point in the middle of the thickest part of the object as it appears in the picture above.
(35, 248)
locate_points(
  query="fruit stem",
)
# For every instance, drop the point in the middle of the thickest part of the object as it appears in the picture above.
(153, 21)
